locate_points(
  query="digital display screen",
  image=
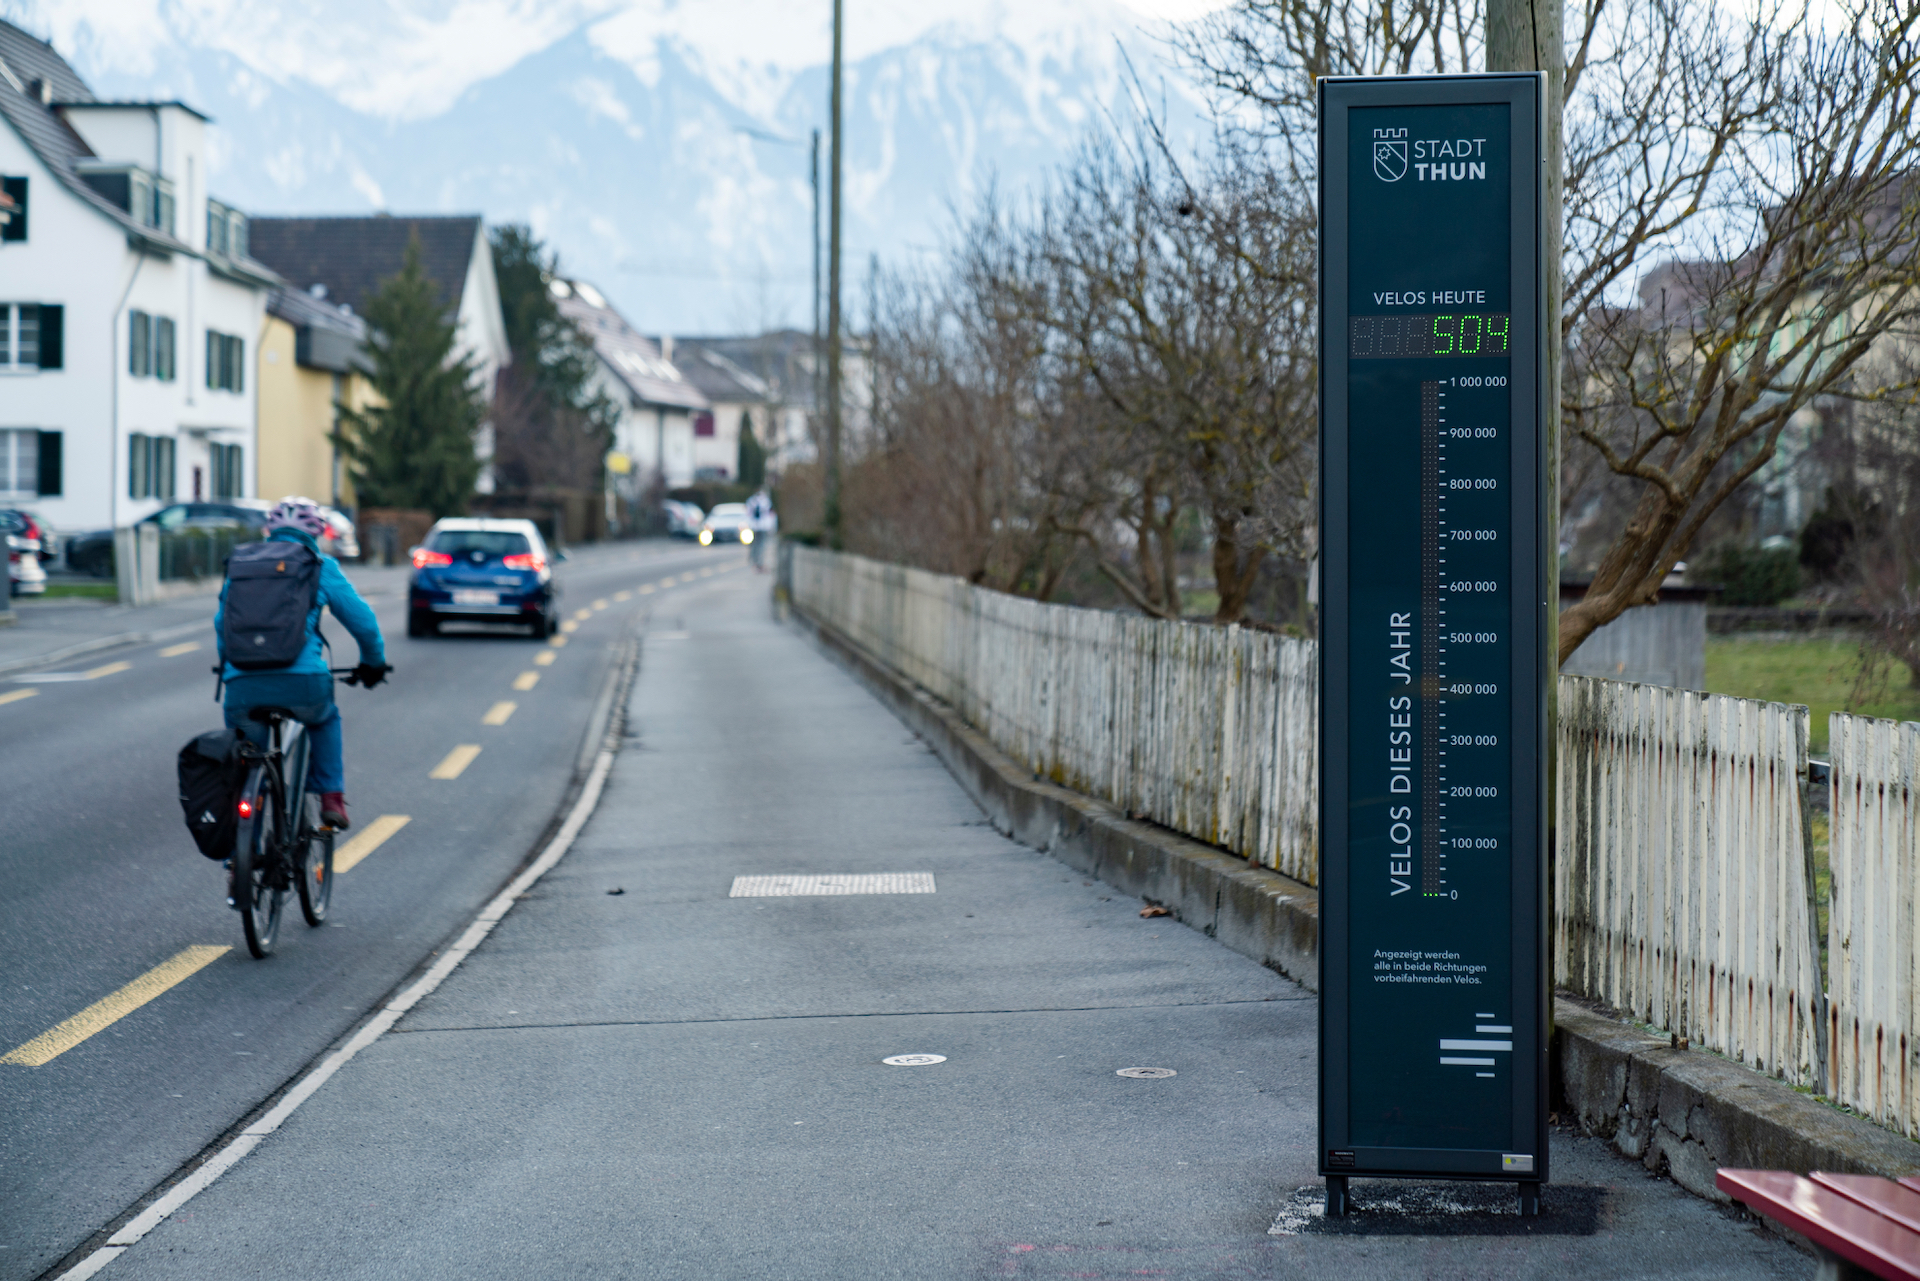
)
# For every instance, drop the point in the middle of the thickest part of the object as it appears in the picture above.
(1446, 333)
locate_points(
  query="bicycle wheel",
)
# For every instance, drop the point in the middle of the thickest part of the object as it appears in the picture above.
(258, 880)
(316, 866)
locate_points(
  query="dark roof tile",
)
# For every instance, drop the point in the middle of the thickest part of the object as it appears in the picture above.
(352, 256)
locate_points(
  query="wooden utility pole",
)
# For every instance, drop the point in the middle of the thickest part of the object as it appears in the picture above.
(833, 300)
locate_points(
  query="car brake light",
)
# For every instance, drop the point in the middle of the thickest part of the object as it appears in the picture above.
(423, 559)
(527, 560)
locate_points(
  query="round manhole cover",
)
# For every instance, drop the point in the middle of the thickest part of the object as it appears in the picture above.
(914, 1060)
(1147, 1074)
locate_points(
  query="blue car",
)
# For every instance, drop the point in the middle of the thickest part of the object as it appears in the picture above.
(483, 571)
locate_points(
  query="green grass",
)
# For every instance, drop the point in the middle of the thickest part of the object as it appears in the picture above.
(56, 591)
(1818, 672)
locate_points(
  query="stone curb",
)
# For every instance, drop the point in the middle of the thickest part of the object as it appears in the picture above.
(1684, 1112)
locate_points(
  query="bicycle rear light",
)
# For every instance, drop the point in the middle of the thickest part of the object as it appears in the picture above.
(246, 807)
(424, 559)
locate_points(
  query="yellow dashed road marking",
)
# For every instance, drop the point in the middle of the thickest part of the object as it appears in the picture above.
(601, 603)
(647, 590)
(558, 642)
(581, 615)
(526, 681)
(108, 670)
(348, 856)
(688, 577)
(174, 651)
(14, 696)
(569, 626)
(102, 1014)
(498, 713)
(623, 595)
(457, 760)
(543, 659)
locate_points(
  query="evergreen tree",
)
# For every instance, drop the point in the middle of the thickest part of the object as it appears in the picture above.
(752, 468)
(415, 447)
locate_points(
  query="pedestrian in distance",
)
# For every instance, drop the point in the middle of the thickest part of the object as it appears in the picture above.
(764, 521)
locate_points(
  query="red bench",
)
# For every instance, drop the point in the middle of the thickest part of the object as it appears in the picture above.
(1859, 1223)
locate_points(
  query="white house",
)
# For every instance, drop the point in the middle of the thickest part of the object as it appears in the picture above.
(130, 308)
(653, 441)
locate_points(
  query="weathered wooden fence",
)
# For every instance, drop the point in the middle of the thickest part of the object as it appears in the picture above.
(1874, 853)
(1682, 882)
(1208, 730)
(1684, 879)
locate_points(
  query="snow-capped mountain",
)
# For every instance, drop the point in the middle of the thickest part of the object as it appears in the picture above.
(641, 139)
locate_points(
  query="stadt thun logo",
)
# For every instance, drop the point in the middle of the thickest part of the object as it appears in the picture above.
(1390, 154)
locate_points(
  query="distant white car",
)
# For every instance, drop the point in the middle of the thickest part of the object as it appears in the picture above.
(24, 575)
(727, 523)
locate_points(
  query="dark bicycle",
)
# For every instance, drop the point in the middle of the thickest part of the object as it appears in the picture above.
(281, 844)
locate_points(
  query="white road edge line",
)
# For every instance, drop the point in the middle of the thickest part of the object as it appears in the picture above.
(244, 1142)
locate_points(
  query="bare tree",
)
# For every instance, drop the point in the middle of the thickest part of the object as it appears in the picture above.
(1756, 169)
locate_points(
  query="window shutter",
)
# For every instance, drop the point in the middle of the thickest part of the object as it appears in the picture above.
(239, 364)
(52, 331)
(163, 348)
(50, 478)
(16, 228)
(213, 360)
(136, 466)
(139, 344)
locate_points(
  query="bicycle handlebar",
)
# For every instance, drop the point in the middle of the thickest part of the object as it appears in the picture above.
(351, 675)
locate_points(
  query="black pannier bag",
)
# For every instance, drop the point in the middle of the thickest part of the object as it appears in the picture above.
(270, 592)
(211, 776)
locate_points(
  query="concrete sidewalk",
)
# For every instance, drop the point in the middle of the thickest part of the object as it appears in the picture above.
(638, 1075)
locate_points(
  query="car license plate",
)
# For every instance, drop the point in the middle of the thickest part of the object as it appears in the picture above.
(476, 598)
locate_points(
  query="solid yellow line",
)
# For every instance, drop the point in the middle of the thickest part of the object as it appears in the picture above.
(54, 1042)
(498, 713)
(526, 681)
(457, 760)
(348, 856)
(543, 659)
(623, 595)
(108, 670)
(15, 696)
(174, 651)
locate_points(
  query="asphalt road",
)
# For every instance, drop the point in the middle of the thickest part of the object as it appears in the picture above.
(103, 883)
(641, 1074)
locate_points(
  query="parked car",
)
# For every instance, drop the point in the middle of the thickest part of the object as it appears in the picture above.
(727, 523)
(92, 553)
(482, 570)
(25, 577)
(683, 519)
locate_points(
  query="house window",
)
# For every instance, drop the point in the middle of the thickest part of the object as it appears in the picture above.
(19, 464)
(228, 482)
(139, 344)
(216, 227)
(703, 424)
(225, 356)
(149, 466)
(30, 336)
(150, 346)
(15, 226)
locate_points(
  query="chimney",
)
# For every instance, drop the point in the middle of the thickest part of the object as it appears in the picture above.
(666, 348)
(41, 90)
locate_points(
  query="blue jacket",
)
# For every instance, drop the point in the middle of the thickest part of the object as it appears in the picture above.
(335, 593)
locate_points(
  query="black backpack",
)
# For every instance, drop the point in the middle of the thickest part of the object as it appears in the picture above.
(211, 775)
(270, 592)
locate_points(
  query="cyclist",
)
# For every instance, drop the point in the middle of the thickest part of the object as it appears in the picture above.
(306, 687)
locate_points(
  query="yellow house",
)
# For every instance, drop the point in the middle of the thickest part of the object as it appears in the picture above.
(312, 357)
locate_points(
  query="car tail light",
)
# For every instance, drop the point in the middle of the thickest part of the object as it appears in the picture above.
(424, 559)
(526, 560)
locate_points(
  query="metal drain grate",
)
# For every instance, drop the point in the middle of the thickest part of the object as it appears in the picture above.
(807, 886)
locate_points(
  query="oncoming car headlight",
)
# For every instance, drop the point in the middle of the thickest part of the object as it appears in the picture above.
(706, 538)
(746, 535)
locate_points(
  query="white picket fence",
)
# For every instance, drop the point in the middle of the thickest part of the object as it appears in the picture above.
(1683, 880)
(1207, 730)
(1874, 853)
(1681, 885)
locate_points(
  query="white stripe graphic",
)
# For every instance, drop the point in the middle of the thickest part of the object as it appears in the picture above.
(800, 886)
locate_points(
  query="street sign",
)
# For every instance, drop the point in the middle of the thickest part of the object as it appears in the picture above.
(1433, 624)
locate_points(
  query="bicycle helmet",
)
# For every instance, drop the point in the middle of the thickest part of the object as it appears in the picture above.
(299, 513)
